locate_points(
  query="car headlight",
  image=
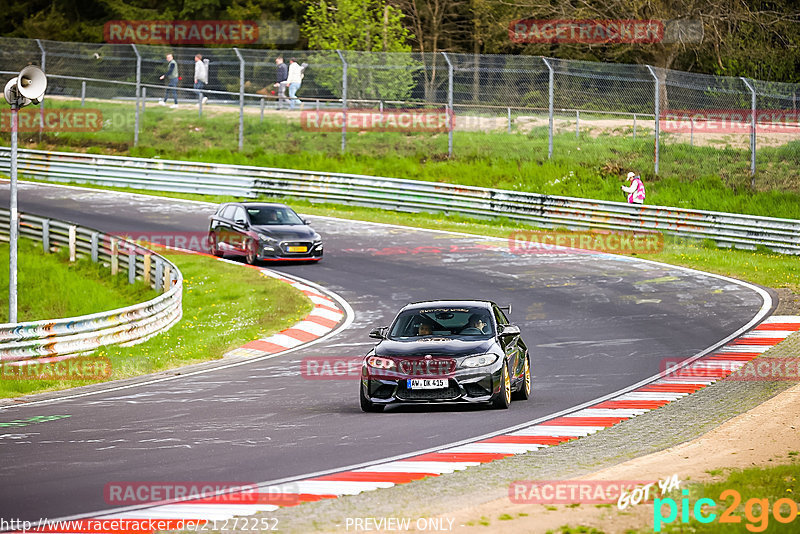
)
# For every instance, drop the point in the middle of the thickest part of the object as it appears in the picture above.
(377, 362)
(481, 360)
(266, 238)
(316, 238)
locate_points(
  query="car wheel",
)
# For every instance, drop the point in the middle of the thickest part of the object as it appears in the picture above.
(503, 399)
(366, 404)
(250, 252)
(524, 391)
(215, 250)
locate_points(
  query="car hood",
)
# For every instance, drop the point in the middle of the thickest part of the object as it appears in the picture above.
(435, 346)
(286, 231)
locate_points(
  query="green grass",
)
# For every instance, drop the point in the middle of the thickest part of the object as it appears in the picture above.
(224, 306)
(50, 287)
(771, 484)
(588, 167)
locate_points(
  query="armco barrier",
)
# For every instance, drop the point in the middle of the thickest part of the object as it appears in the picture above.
(69, 337)
(726, 229)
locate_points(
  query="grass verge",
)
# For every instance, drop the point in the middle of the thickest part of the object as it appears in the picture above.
(49, 286)
(224, 306)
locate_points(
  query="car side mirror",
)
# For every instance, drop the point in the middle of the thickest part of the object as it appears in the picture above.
(509, 330)
(305, 221)
(378, 333)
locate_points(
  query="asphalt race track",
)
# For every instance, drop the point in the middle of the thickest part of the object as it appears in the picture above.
(594, 323)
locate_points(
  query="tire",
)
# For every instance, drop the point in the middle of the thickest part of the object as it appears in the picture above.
(250, 255)
(215, 250)
(524, 392)
(503, 399)
(366, 404)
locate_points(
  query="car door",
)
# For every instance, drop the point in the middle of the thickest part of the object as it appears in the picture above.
(238, 228)
(512, 346)
(222, 226)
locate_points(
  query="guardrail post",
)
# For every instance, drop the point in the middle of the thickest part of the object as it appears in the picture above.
(72, 244)
(167, 277)
(131, 265)
(114, 258)
(241, 98)
(550, 82)
(83, 93)
(146, 262)
(159, 274)
(95, 247)
(451, 119)
(752, 132)
(46, 236)
(657, 112)
(344, 101)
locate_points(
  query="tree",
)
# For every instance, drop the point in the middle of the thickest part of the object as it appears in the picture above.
(360, 26)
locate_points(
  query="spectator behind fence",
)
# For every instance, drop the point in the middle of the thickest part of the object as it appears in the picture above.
(200, 76)
(294, 80)
(172, 81)
(282, 74)
(635, 190)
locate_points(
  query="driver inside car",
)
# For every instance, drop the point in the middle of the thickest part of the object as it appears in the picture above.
(425, 329)
(475, 325)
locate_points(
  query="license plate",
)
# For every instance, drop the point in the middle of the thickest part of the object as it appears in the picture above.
(427, 383)
(296, 249)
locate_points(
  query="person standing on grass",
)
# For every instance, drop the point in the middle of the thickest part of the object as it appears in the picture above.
(200, 77)
(294, 80)
(282, 74)
(172, 82)
(635, 190)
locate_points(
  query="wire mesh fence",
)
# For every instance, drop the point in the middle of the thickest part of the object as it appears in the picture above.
(442, 105)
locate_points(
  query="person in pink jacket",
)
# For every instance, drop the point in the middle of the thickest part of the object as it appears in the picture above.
(635, 190)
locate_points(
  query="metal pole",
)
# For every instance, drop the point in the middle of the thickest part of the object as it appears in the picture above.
(657, 110)
(634, 126)
(509, 120)
(83, 93)
(14, 221)
(344, 101)
(138, 92)
(262, 110)
(41, 105)
(241, 98)
(577, 123)
(752, 132)
(550, 80)
(691, 132)
(451, 115)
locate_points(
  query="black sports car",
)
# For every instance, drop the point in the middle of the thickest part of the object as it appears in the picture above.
(446, 351)
(263, 231)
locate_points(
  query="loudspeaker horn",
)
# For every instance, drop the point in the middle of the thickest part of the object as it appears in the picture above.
(32, 83)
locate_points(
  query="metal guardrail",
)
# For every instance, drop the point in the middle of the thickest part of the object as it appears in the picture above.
(69, 337)
(726, 229)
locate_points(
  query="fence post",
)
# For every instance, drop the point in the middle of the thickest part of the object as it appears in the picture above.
(634, 126)
(114, 258)
(72, 243)
(95, 247)
(550, 81)
(167, 277)
(451, 119)
(146, 261)
(691, 131)
(138, 92)
(131, 265)
(344, 101)
(83, 93)
(144, 98)
(241, 98)
(752, 131)
(577, 123)
(46, 236)
(509, 120)
(657, 111)
(262, 110)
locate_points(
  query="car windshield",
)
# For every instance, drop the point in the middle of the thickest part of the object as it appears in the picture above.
(463, 323)
(267, 215)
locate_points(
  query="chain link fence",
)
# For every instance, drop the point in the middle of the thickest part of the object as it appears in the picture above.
(443, 105)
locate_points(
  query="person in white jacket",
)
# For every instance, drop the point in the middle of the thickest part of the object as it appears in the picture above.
(294, 80)
(635, 190)
(200, 76)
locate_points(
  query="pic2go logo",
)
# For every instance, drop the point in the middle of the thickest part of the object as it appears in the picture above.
(756, 511)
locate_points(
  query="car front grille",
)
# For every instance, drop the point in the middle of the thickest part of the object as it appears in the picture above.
(383, 392)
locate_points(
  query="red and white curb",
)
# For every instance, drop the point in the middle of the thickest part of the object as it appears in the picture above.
(669, 386)
(324, 318)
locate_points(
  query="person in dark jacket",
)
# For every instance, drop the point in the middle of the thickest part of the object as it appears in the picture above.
(172, 81)
(282, 73)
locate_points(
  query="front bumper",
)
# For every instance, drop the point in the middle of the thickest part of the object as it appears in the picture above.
(283, 251)
(476, 386)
